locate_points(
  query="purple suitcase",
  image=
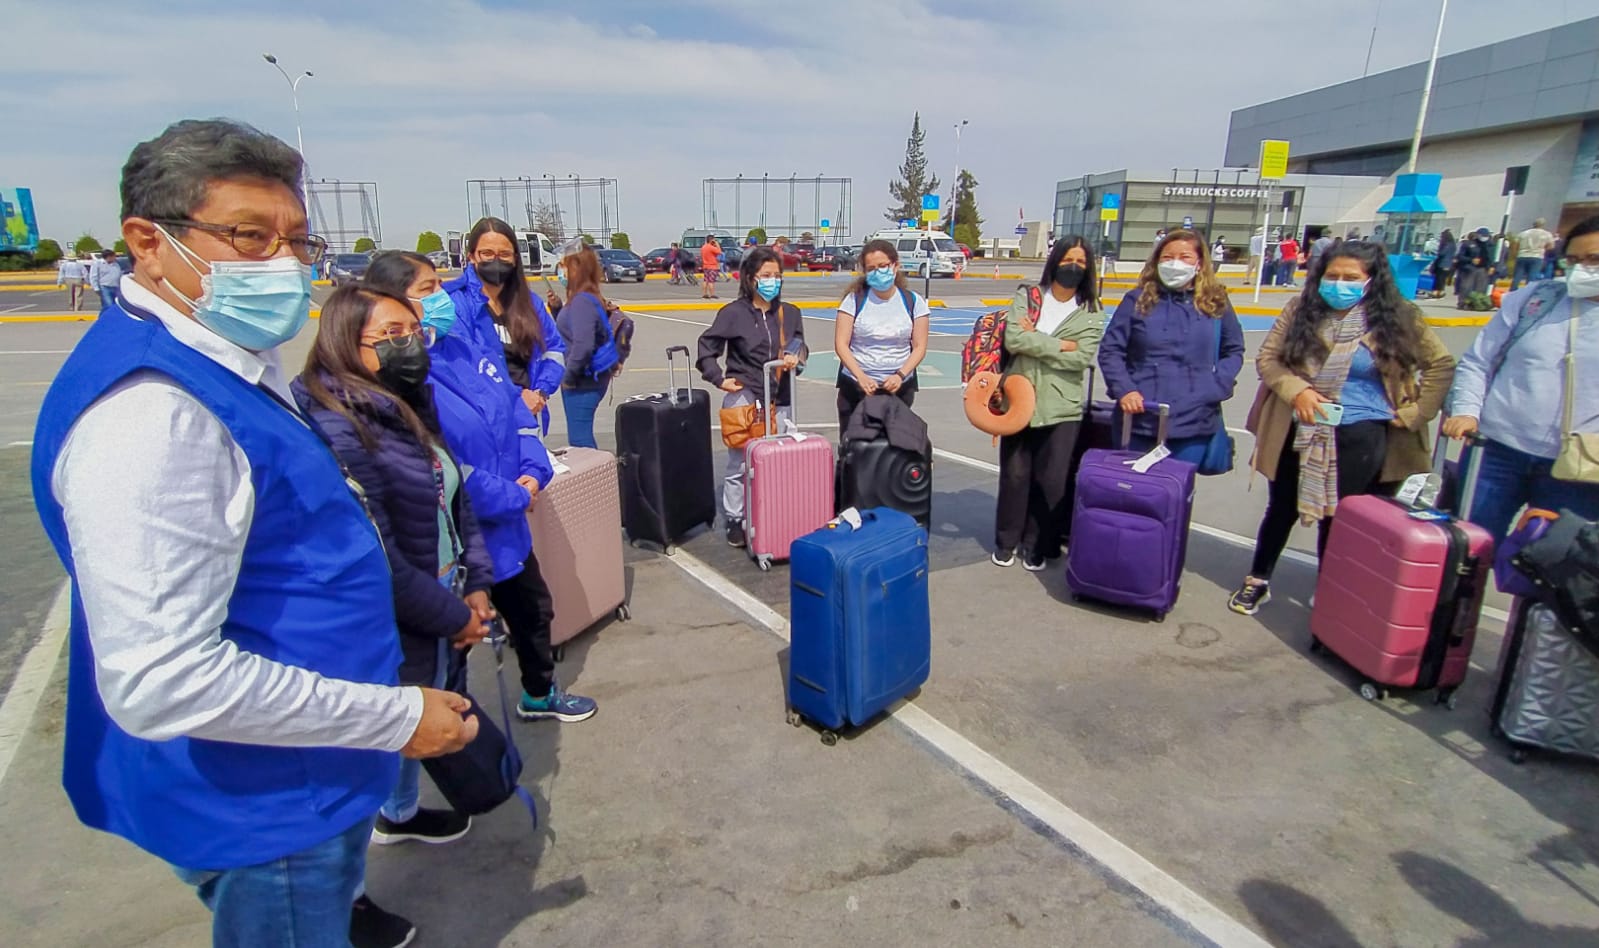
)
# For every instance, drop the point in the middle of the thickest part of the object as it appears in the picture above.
(1130, 530)
(788, 485)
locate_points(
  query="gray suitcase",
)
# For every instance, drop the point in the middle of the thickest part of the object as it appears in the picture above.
(1548, 694)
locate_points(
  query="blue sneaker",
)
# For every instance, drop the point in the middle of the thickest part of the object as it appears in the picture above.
(558, 705)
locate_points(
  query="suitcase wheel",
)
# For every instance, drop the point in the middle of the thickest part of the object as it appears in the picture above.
(1316, 648)
(1370, 691)
(1518, 756)
(623, 613)
(793, 718)
(765, 563)
(829, 738)
(558, 653)
(669, 550)
(1446, 697)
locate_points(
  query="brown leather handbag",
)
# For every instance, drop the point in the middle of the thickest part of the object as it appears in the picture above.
(742, 424)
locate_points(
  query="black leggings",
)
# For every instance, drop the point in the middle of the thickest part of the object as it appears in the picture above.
(850, 395)
(1034, 512)
(1362, 449)
(524, 602)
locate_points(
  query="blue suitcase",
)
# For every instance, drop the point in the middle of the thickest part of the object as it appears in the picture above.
(860, 623)
(1130, 530)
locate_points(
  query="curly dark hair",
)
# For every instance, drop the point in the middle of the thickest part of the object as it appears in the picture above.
(1395, 321)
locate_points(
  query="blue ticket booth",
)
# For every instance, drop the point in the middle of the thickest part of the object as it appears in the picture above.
(1409, 217)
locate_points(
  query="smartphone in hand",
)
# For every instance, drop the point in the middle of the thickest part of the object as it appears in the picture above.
(1331, 413)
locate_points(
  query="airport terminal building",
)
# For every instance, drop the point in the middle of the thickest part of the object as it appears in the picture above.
(1529, 101)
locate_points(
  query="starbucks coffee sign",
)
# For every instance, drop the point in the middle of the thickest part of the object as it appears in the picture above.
(1200, 191)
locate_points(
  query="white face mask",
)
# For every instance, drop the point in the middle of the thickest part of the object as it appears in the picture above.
(1176, 274)
(1582, 282)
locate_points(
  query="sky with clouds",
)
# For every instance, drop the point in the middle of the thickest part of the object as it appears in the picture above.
(421, 96)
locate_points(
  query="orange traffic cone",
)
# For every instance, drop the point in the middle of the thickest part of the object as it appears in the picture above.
(996, 271)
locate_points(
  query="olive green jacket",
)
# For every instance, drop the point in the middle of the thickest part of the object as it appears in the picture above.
(1056, 376)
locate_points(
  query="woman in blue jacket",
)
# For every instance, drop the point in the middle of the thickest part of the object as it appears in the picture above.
(498, 315)
(584, 326)
(365, 385)
(1174, 340)
(489, 428)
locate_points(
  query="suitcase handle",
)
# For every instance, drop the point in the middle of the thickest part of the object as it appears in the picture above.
(1468, 476)
(1163, 410)
(671, 374)
(767, 371)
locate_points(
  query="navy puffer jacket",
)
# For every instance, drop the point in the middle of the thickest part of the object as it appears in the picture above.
(397, 475)
(1171, 356)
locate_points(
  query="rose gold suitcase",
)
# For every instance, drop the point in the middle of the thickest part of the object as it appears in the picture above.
(577, 536)
(788, 484)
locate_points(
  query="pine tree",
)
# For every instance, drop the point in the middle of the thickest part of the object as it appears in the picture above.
(547, 220)
(914, 181)
(967, 223)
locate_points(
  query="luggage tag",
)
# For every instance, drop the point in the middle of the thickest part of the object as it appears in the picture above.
(851, 516)
(1429, 515)
(1143, 464)
(791, 430)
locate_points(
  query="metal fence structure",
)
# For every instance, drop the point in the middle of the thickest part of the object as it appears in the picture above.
(550, 204)
(788, 206)
(343, 212)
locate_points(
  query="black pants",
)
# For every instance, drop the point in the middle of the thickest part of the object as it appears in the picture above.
(850, 394)
(1034, 513)
(1362, 449)
(524, 602)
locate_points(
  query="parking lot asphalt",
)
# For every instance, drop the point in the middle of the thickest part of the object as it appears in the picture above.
(1242, 770)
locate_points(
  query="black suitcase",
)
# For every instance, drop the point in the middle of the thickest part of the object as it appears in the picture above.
(663, 442)
(1098, 432)
(877, 474)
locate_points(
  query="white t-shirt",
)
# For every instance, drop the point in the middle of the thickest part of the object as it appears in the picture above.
(1534, 241)
(1054, 312)
(881, 342)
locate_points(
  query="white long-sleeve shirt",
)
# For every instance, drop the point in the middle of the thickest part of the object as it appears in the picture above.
(158, 502)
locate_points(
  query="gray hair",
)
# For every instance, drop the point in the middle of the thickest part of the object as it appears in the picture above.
(167, 176)
(1540, 222)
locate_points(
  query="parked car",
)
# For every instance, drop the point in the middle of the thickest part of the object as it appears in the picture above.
(732, 255)
(828, 259)
(619, 265)
(348, 267)
(440, 259)
(658, 260)
(785, 253)
(803, 251)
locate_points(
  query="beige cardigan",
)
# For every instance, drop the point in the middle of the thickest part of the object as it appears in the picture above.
(1416, 403)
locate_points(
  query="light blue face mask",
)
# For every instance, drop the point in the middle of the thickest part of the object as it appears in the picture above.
(1343, 294)
(254, 304)
(880, 279)
(560, 276)
(769, 287)
(438, 311)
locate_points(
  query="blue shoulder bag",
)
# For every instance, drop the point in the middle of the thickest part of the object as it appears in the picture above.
(1219, 452)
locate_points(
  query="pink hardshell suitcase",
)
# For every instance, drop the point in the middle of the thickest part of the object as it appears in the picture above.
(577, 536)
(1400, 592)
(788, 484)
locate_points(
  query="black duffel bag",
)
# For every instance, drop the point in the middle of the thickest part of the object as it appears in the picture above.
(487, 772)
(1564, 566)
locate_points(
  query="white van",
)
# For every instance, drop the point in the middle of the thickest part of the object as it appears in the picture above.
(924, 251)
(694, 239)
(538, 252)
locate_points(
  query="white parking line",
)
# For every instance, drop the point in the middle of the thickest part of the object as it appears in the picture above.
(34, 352)
(1099, 846)
(16, 711)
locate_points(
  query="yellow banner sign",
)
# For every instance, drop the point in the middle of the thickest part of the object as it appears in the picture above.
(1273, 159)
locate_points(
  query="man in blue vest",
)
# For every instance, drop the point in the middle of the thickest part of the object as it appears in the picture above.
(232, 705)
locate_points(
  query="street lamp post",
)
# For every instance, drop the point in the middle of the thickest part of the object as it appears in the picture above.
(294, 93)
(954, 186)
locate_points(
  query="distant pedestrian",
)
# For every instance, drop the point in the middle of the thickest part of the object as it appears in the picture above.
(1473, 263)
(1218, 255)
(73, 274)
(1287, 261)
(104, 275)
(710, 267)
(1257, 257)
(1443, 265)
(1318, 248)
(1535, 242)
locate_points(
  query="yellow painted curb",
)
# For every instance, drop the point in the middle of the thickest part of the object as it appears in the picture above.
(1448, 321)
(30, 287)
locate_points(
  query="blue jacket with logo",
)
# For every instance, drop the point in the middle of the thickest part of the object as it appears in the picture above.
(1170, 356)
(472, 314)
(312, 591)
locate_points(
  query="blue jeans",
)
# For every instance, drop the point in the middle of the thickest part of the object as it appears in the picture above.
(580, 407)
(108, 297)
(299, 901)
(1285, 272)
(1511, 479)
(1527, 270)
(1191, 450)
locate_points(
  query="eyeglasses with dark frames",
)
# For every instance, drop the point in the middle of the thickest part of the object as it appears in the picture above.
(253, 240)
(405, 340)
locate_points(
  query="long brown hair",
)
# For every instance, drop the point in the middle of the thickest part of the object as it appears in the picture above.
(334, 375)
(517, 313)
(582, 273)
(1210, 297)
(883, 247)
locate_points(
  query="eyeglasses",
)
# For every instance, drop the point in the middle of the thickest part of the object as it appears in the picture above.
(509, 256)
(253, 240)
(405, 340)
(1591, 260)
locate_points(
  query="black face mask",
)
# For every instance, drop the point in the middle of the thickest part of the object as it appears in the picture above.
(1069, 275)
(495, 272)
(402, 370)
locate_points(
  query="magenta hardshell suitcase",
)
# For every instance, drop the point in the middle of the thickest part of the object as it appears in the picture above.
(577, 535)
(788, 485)
(1400, 592)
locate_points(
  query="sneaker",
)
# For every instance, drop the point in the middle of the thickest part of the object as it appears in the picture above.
(735, 534)
(558, 705)
(1003, 559)
(1253, 594)
(427, 826)
(371, 927)
(1033, 565)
